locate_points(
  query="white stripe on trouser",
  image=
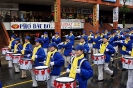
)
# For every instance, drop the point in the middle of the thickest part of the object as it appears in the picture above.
(33, 78)
(50, 82)
(45, 50)
(10, 64)
(130, 79)
(67, 60)
(106, 69)
(116, 49)
(16, 67)
(90, 46)
(95, 50)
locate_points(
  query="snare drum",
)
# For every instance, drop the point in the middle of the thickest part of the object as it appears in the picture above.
(5, 50)
(25, 64)
(9, 56)
(16, 58)
(42, 73)
(98, 58)
(65, 82)
(127, 62)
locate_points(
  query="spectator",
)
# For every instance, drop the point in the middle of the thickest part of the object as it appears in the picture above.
(8, 17)
(1, 17)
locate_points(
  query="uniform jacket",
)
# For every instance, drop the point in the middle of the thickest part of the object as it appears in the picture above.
(86, 38)
(97, 42)
(90, 40)
(28, 50)
(85, 74)
(40, 57)
(72, 39)
(45, 42)
(20, 47)
(13, 44)
(68, 48)
(57, 41)
(58, 62)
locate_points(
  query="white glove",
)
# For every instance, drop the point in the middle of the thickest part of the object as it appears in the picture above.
(78, 70)
(16, 49)
(92, 36)
(12, 50)
(41, 35)
(107, 49)
(121, 35)
(101, 39)
(79, 36)
(53, 37)
(23, 49)
(129, 52)
(121, 41)
(51, 63)
(61, 43)
(44, 62)
(68, 70)
(28, 55)
(35, 56)
(66, 35)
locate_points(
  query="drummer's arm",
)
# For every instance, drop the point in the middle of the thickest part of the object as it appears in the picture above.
(86, 70)
(20, 48)
(29, 48)
(111, 49)
(59, 61)
(128, 44)
(41, 55)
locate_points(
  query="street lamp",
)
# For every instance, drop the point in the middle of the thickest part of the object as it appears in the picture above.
(124, 1)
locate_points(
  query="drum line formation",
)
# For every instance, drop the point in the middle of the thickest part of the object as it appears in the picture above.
(46, 59)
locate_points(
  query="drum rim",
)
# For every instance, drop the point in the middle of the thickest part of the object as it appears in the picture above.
(16, 54)
(25, 59)
(40, 68)
(65, 82)
(129, 57)
(98, 54)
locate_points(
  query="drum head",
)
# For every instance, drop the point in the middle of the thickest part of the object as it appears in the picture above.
(9, 52)
(128, 57)
(98, 54)
(16, 54)
(26, 59)
(64, 79)
(41, 67)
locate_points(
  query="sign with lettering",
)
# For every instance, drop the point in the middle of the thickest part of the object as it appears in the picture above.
(95, 14)
(55, 11)
(8, 6)
(115, 14)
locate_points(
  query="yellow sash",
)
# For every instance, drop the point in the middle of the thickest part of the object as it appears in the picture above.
(95, 38)
(103, 47)
(123, 47)
(35, 51)
(24, 46)
(82, 43)
(74, 66)
(102, 35)
(65, 44)
(15, 47)
(50, 53)
(132, 53)
(10, 43)
(57, 37)
(89, 38)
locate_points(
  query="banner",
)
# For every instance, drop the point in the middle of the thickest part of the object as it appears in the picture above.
(115, 14)
(8, 6)
(55, 12)
(95, 14)
(44, 25)
(73, 20)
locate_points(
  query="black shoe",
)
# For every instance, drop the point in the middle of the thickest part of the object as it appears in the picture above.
(112, 75)
(113, 62)
(100, 80)
(23, 77)
(16, 72)
(34, 87)
(124, 69)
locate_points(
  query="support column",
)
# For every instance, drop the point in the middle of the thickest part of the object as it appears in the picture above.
(57, 16)
(115, 17)
(96, 17)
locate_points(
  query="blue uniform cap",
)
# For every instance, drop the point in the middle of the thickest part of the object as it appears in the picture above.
(17, 39)
(56, 32)
(105, 36)
(39, 40)
(90, 31)
(82, 38)
(52, 45)
(79, 47)
(131, 28)
(83, 32)
(127, 31)
(13, 36)
(27, 37)
(126, 36)
(113, 31)
(97, 32)
(108, 33)
(45, 32)
(118, 28)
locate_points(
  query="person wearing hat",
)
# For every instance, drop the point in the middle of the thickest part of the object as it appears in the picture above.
(106, 32)
(56, 39)
(38, 57)
(79, 68)
(11, 47)
(17, 50)
(55, 60)
(106, 49)
(26, 52)
(90, 41)
(96, 42)
(85, 36)
(72, 38)
(131, 31)
(67, 45)
(102, 34)
(125, 45)
(85, 45)
(45, 40)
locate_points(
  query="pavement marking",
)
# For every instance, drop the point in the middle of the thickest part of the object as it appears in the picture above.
(20, 83)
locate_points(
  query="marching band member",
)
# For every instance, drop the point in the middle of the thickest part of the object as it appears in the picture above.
(106, 32)
(67, 45)
(130, 72)
(131, 31)
(56, 61)
(11, 47)
(90, 41)
(56, 39)
(38, 57)
(85, 45)
(26, 52)
(106, 49)
(84, 35)
(125, 45)
(45, 40)
(17, 49)
(80, 69)
(72, 38)
(96, 43)
(102, 34)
